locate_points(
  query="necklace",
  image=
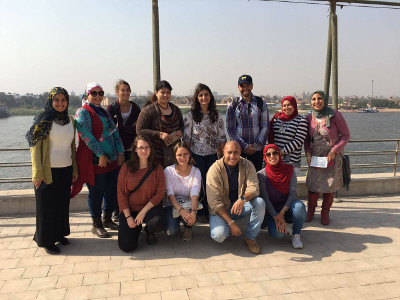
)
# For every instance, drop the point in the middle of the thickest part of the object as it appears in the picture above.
(283, 127)
(183, 173)
(163, 107)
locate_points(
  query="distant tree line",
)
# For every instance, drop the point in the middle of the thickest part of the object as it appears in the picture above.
(377, 103)
(31, 101)
(384, 103)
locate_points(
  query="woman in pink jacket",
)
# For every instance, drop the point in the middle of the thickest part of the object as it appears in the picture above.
(327, 136)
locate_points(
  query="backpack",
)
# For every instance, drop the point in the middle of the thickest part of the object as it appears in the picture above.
(260, 103)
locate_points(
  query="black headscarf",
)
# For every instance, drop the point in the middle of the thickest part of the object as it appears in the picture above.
(42, 122)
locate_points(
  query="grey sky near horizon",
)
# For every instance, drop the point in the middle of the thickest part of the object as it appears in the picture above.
(282, 46)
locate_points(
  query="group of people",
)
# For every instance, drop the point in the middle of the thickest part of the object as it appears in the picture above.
(155, 166)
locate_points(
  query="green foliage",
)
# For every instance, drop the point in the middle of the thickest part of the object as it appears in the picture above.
(8, 99)
(384, 103)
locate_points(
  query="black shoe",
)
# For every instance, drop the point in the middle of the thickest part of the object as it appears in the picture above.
(98, 229)
(64, 241)
(203, 219)
(115, 218)
(151, 238)
(107, 222)
(52, 249)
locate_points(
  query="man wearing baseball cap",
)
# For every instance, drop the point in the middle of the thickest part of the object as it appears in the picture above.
(247, 122)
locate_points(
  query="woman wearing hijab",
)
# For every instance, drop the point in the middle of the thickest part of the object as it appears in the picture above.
(52, 143)
(288, 131)
(162, 121)
(327, 136)
(278, 184)
(99, 156)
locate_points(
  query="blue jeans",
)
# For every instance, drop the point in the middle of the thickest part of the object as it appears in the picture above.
(296, 214)
(173, 223)
(104, 191)
(204, 163)
(255, 208)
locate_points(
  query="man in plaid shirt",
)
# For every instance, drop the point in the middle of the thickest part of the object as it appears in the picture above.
(247, 121)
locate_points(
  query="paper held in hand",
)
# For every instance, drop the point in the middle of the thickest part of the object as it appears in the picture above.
(319, 162)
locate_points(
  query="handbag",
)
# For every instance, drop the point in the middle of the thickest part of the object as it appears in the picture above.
(185, 202)
(346, 172)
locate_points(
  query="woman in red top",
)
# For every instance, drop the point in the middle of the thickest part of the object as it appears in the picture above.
(140, 203)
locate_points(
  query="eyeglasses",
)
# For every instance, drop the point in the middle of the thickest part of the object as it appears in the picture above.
(94, 94)
(143, 148)
(269, 154)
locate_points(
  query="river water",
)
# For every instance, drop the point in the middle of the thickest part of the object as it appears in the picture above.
(362, 127)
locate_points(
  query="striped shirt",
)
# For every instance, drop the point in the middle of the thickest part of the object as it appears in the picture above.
(248, 126)
(289, 136)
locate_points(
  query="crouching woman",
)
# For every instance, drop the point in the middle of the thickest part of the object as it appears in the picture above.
(278, 189)
(141, 187)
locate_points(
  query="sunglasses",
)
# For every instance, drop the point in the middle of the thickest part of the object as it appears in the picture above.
(94, 94)
(269, 154)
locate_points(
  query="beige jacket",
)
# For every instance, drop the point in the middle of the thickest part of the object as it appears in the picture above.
(217, 185)
(40, 155)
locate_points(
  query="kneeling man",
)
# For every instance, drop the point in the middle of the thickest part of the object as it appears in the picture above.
(232, 190)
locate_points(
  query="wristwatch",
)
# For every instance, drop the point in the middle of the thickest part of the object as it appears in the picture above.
(243, 199)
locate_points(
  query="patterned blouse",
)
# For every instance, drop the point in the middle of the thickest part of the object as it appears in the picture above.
(109, 143)
(205, 137)
(178, 185)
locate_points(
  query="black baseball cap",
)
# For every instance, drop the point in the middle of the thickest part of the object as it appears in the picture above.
(245, 79)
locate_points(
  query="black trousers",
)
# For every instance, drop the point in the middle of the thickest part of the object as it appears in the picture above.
(52, 208)
(256, 158)
(128, 237)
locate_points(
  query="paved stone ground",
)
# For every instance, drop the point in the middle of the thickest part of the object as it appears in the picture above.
(356, 257)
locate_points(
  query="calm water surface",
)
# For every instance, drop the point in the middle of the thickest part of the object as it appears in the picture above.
(362, 127)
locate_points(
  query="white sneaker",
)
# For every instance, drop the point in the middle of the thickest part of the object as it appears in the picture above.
(296, 241)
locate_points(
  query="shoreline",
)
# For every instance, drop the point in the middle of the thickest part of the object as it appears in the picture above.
(185, 108)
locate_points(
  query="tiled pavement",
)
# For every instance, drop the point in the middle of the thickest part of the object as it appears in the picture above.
(356, 257)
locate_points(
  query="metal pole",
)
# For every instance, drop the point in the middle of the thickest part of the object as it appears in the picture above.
(372, 90)
(334, 56)
(156, 45)
(328, 60)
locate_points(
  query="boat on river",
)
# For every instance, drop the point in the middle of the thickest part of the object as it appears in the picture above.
(368, 110)
(3, 111)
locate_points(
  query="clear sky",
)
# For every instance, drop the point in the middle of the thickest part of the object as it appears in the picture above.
(283, 46)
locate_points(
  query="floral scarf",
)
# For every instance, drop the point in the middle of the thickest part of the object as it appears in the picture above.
(42, 122)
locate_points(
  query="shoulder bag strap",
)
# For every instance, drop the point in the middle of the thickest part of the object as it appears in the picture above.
(142, 181)
(191, 132)
(191, 181)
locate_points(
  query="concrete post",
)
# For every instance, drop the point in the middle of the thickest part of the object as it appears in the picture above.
(156, 45)
(328, 60)
(335, 92)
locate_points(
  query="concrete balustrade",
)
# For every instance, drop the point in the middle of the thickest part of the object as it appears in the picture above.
(23, 201)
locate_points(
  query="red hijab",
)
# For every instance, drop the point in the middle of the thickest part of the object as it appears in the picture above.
(282, 116)
(280, 174)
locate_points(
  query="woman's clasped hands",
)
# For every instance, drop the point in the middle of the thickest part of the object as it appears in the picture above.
(188, 216)
(280, 222)
(133, 222)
